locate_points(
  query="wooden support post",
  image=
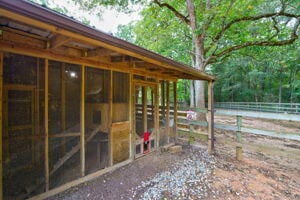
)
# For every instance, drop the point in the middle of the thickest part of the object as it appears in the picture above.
(210, 117)
(163, 102)
(1, 124)
(239, 148)
(110, 108)
(131, 117)
(32, 126)
(46, 125)
(82, 125)
(63, 107)
(144, 102)
(175, 109)
(37, 109)
(156, 114)
(168, 111)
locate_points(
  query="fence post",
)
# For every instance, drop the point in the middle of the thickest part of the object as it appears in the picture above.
(239, 148)
(210, 109)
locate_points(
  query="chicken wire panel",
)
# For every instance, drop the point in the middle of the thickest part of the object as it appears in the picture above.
(96, 119)
(120, 97)
(64, 119)
(120, 117)
(23, 126)
(139, 117)
(150, 109)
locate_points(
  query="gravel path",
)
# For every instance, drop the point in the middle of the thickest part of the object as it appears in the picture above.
(183, 175)
(269, 170)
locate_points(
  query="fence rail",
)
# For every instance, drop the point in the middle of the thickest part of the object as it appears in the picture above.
(186, 123)
(293, 108)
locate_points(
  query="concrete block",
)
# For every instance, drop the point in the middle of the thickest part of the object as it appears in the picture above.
(175, 149)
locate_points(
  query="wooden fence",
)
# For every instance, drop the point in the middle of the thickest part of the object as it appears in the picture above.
(186, 123)
(292, 108)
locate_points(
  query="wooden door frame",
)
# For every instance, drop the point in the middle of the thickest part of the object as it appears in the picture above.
(154, 86)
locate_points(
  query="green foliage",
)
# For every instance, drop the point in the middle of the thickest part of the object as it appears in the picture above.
(258, 73)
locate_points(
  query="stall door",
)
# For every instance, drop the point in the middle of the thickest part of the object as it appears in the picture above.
(145, 133)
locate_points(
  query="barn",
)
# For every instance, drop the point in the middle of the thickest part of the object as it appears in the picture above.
(76, 102)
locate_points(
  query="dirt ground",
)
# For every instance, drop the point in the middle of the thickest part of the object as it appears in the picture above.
(270, 169)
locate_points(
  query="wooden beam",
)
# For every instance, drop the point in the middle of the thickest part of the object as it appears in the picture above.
(168, 110)
(46, 125)
(58, 40)
(42, 53)
(65, 135)
(131, 115)
(163, 99)
(175, 109)
(99, 51)
(210, 114)
(144, 102)
(63, 106)
(82, 124)
(110, 109)
(1, 124)
(156, 114)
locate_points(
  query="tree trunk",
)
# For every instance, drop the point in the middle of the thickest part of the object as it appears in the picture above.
(192, 94)
(200, 98)
(198, 47)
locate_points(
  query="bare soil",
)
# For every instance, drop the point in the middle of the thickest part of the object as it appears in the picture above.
(270, 169)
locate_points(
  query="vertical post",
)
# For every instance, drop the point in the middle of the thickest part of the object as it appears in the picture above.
(168, 111)
(1, 124)
(82, 125)
(210, 109)
(37, 107)
(239, 148)
(131, 116)
(110, 108)
(46, 125)
(156, 114)
(175, 109)
(163, 102)
(144, 102)
(63, 106)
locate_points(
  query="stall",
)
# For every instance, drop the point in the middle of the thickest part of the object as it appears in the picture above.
(76, 103)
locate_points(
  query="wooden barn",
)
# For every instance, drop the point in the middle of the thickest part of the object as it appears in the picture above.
(76, 103)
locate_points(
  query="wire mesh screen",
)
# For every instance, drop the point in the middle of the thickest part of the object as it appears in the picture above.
(23, 126)
(121, 126)
(64, 122)
(96, 118)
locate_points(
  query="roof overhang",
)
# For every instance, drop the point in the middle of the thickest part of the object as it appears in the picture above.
(37, 16)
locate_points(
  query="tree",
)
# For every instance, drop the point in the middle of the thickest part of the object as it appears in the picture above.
(218, 28)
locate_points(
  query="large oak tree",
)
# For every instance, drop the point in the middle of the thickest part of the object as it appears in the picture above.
(217, 28)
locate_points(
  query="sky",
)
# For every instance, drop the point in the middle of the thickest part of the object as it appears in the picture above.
(108, 22)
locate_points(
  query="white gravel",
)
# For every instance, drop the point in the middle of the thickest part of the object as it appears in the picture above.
(186, 179)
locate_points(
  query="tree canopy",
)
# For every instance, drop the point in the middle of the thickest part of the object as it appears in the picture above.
(250, 45)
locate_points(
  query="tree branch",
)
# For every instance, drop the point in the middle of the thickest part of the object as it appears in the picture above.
(172, 9)
(252, 18)
(293, 38)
